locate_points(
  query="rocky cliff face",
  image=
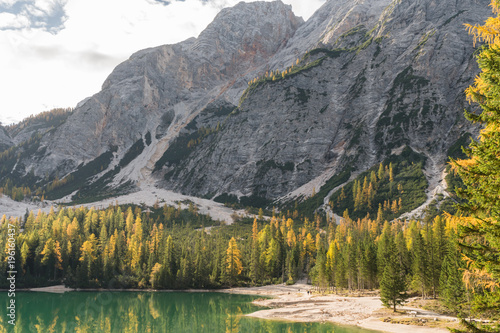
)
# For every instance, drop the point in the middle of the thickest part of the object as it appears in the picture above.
(380, 75)
(357, 82)
(5, 140)
(162, 88)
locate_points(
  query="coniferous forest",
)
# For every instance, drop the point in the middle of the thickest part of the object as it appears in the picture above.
(167, 248)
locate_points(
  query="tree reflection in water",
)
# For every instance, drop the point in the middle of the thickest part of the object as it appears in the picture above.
(132, 312)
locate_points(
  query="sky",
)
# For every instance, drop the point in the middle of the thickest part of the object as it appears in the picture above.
(55, 53)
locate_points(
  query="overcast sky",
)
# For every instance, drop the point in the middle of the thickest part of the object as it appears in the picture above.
(55, 53)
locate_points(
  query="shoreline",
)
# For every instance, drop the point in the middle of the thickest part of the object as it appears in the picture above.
(293, 303)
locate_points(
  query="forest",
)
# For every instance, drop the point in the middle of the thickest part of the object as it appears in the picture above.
(168, 248)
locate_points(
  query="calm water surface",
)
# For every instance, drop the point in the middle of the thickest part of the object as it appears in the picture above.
(145, 312)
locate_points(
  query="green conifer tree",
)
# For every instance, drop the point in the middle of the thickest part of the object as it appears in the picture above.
(393, 283)
(480, 172)
(452, 289)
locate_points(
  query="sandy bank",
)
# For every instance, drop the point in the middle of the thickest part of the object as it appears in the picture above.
(53, 289)
(295, 304)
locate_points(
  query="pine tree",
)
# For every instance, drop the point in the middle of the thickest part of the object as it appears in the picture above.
(351, 262)
(380, 172)
(364, 191)
(370, 259)
(403, 253)
(392, 284)
(340, 268)
(89, 256)
(25, 252)
(380, 214)
(432, 257)
(480, 173)
(319, 272)
(255, 274)
(233, 262)
(452, 289)
(383, 249)
(420, 263)
(370, 195)
(439, 247)
(342, 195)
(373, 179)
(155, 278)
(52, 255)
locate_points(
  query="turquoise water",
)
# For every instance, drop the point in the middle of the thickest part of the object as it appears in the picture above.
(145, 312)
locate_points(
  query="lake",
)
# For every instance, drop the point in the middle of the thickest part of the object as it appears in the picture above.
(145, 312)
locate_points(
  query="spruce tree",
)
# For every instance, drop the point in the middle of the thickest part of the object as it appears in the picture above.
(393, 284)
(420, 263)
(480, 172)
(255, 274)
(452, 289)
(383, 250)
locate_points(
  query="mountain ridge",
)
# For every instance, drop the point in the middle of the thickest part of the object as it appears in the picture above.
(373, 128)
(350, 87)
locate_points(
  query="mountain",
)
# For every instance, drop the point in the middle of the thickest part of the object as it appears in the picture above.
(381, 75)
(5, 140)
(264, 106)
(159, 90)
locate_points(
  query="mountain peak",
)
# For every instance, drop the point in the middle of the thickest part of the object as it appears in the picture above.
(258, 28)
(161, 89)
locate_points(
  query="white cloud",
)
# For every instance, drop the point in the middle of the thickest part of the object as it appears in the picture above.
(47, 6)
(11, 21)
(44, 69)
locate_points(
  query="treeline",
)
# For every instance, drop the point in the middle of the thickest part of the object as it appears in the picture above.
(51, 118)
(274, 75)
(129, 248)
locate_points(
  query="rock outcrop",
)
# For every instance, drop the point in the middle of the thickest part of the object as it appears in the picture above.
(5, 140)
